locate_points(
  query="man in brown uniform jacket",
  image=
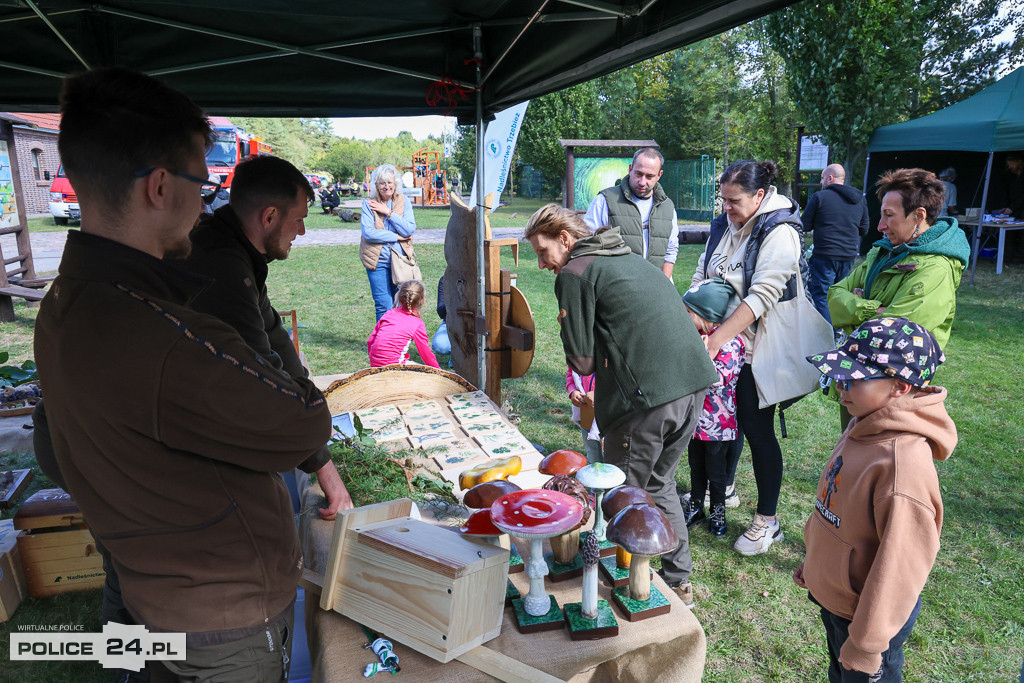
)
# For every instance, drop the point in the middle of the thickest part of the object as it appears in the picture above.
(168, 429)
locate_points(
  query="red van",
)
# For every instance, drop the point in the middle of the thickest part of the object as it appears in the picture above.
(63, 200)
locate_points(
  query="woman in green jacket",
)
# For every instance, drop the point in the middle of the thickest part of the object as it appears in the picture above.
(915, 269)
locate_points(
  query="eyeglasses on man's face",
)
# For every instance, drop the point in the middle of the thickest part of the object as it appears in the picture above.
(207, 189)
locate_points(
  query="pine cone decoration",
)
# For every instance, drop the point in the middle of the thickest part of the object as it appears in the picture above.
(591, 551)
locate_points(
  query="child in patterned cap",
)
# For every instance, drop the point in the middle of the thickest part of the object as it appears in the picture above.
(874, 532)
(708, 302)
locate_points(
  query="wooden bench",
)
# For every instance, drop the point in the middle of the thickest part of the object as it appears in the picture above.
(22, 292)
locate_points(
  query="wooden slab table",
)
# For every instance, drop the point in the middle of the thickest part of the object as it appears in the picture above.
(666, 648)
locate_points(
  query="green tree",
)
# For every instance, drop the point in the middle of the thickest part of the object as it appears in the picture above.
(860, 64)
(571, 113)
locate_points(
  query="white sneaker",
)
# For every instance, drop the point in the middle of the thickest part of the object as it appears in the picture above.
(759, 537)
(732, 499)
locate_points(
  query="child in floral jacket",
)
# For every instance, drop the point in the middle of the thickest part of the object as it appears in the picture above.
(707, 303)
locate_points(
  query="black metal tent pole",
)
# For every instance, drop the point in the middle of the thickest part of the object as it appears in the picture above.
(481, 217)
(976, 242)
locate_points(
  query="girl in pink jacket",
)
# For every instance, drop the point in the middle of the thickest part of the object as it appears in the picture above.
(389, 342)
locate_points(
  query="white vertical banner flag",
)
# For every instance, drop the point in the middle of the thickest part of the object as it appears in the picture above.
(499, 143)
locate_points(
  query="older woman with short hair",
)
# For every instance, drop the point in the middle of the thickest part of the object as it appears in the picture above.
(914, 270)
(387, 223)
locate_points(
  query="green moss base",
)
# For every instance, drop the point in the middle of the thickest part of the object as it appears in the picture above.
(580, 628)
(637, 610)
(561, 572)
(511, 592)
(527, 623)
(516, 563)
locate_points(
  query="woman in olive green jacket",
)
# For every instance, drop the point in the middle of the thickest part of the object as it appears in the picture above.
(915, 269)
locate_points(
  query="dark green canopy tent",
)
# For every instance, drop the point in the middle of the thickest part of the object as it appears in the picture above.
(344, 58)
(469, 58)
(988, 122)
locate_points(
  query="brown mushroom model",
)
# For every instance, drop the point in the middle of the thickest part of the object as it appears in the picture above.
(615, 500)
(483, 495)
(621, 497)
(644, 531)
(562, 462)
(565, 547)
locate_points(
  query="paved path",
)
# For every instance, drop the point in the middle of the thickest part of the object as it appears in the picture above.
(47, 247)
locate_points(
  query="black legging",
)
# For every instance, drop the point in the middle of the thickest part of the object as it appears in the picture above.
(758, 425)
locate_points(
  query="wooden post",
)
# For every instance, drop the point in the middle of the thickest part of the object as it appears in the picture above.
(570, 177)
(498, 291)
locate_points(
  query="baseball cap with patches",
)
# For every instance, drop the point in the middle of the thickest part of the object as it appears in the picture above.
(893, 347)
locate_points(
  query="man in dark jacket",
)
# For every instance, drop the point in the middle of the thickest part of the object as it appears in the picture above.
(168, 429)
(269, 202)
(838, 217)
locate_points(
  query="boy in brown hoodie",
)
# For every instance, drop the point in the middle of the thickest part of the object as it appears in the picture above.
(874, 533)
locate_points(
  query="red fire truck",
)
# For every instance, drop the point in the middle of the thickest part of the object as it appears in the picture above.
(231, 145)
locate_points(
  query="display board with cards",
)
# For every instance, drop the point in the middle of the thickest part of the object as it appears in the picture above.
(452, 434)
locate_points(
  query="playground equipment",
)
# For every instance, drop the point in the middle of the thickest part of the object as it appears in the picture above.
(430, 181)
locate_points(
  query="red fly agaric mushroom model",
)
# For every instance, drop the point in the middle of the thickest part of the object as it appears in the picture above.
(536, 515)
(481, 497)
(644, 531)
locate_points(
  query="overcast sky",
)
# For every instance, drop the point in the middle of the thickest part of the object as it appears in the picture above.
(373, 127)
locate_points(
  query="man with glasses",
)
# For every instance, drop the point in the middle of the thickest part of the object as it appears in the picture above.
(268, 206)
(168, 429)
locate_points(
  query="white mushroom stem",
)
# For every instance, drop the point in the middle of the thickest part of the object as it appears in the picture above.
(537, 602)
(503, 541)
(566, 547)
(599, 525)
(589, 606)
(640, 578)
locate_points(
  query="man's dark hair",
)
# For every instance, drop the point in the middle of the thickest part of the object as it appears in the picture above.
(267, 181)
(650, 153)
(115, 122)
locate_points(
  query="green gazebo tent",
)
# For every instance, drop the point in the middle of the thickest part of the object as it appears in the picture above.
(990, 121)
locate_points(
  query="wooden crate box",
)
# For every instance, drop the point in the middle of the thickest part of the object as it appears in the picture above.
(12, 576)
(421, 585)
(58, 551)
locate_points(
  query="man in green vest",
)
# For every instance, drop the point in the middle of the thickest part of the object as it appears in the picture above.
(640, 209)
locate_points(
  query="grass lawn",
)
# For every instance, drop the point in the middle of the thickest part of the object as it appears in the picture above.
(513, 215)
(759, 625)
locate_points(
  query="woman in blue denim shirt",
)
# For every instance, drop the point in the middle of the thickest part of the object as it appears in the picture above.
(387, 223)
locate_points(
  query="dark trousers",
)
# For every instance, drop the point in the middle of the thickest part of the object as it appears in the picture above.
(822, 274)
(732, 457)
(837, 630)
(758, 425)
(648, 447)
(263, 657)
(707, 469)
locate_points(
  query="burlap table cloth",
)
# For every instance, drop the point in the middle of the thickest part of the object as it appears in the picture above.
(668, 648)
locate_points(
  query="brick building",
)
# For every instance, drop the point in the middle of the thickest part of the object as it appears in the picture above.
(36, 140)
